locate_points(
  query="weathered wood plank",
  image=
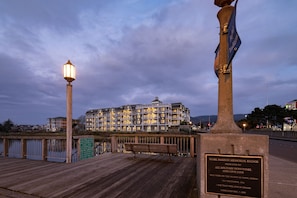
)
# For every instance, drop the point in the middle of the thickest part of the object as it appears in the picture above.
(109, 175)
(13, 194)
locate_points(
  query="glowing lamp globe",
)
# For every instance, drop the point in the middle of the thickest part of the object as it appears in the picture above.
(69, 72)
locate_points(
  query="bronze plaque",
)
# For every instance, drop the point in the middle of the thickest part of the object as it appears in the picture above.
(234, 175)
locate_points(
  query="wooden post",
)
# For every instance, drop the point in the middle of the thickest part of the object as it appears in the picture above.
(162, 139)
(114, 144)
(23, 148)
(44, 149)
(5, 149)
(79, 149)
(192, 146)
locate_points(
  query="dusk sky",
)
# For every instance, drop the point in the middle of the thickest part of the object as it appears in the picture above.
(130, 51)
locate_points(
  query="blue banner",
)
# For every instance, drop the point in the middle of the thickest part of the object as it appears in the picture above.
(233, 38)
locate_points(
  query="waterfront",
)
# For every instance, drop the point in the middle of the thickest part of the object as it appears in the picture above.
(55, 149)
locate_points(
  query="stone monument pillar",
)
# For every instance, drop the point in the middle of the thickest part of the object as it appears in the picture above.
(230, 163)
(225, 121)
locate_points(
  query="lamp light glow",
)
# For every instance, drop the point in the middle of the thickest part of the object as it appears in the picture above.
(69, 71)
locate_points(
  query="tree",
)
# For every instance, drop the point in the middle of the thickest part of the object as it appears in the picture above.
(275, 114)
(255, 118)
(81, 123)
(7, 125)
(271, 115)
(292, 113)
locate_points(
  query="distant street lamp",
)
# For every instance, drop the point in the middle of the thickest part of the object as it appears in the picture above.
(244, 125)
(69, 76)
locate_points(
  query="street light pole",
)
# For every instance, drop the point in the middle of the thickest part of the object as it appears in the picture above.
(69, 123)
(69, 76)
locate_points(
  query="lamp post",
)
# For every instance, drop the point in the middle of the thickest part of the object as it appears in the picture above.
(69, 76)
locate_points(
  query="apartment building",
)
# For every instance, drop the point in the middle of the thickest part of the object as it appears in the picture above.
(152, 117)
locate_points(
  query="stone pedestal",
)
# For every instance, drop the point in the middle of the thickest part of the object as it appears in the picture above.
(236, 165)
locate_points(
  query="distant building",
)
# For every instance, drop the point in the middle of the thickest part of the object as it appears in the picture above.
(58, 124)
(152, 117)
(292, 105)
(27, 128)
(290, 123)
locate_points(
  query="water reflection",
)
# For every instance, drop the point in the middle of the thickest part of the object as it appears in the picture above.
(56, 149)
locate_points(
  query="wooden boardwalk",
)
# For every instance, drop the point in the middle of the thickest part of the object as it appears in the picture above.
(108, 175)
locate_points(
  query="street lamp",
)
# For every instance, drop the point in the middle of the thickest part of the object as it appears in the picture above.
(244, 125)
(69, 76)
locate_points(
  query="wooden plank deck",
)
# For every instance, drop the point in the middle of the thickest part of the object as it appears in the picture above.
(107, 175)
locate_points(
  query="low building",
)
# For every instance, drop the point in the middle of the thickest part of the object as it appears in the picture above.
(58, 124)
(292, 105)
(290, 123)
(27, 128)
(154, 117)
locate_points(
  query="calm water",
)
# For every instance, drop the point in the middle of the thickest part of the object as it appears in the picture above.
(56, 150)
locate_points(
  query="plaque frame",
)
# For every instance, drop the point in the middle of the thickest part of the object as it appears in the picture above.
(238, 161)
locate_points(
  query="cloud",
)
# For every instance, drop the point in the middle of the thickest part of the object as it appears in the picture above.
(129, 52)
